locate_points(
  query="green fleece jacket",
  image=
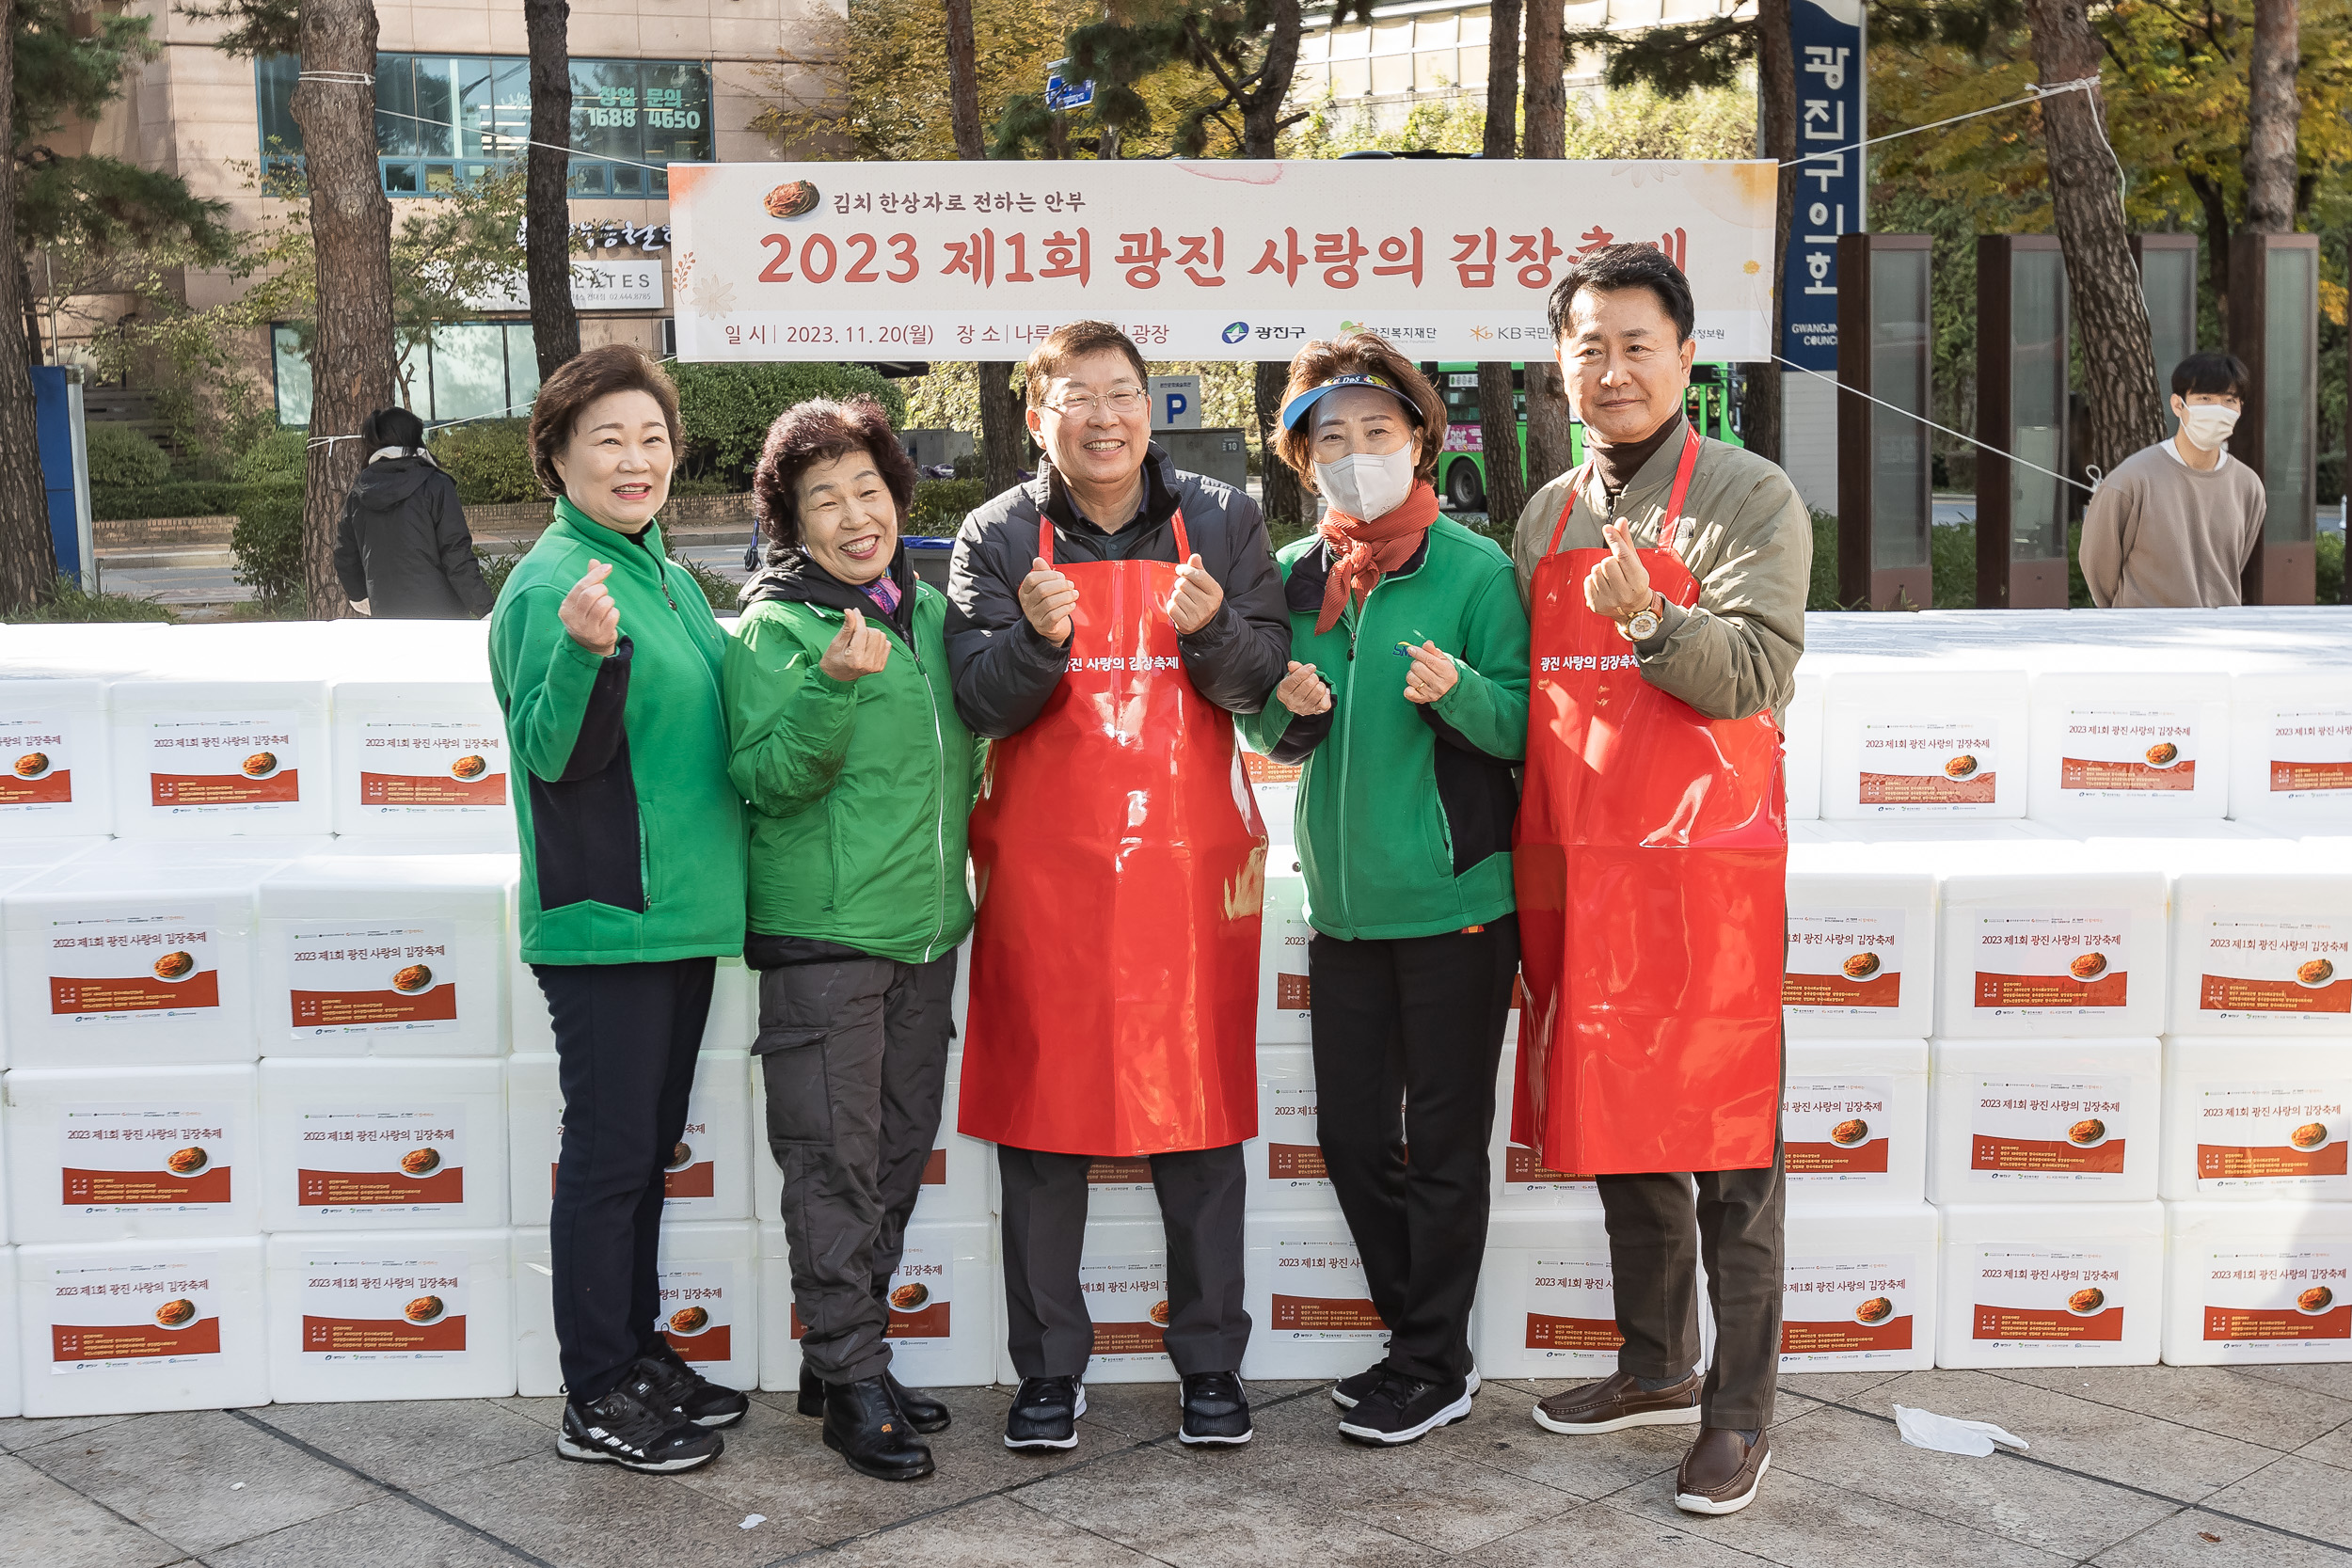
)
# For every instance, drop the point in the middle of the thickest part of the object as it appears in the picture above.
(632, 838)
(1406, 810)
(859, 790)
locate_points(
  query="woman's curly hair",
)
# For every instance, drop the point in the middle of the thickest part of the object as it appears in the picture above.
(816, 432)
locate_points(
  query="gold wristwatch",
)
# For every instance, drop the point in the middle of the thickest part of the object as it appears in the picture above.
(1643, 623)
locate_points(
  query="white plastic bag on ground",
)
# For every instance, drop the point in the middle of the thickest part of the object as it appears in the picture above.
(1925, 1429)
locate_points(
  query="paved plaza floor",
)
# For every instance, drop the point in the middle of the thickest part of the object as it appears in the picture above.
(2129, 1468)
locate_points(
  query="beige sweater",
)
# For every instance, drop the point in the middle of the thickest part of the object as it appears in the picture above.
(2162, 535)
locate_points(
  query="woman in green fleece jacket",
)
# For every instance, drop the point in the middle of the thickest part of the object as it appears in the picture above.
(605, 657)
(1406, 707)
(860, 777)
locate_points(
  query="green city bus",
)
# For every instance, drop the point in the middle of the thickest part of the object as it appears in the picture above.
(1711, 403)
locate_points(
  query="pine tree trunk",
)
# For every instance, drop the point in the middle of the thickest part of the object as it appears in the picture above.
(1283, 498)
(350, 229)
(546, 203)
(28, 556)
(963, 83)
(1004, 441)
(2272, 115)
(1551, 448)
(2119, 374)
(1762, 398)
(1497, 406)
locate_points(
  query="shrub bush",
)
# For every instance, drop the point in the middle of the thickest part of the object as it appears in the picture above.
(268, 546)
(941, 503)
(185, 498)
(72, 604)
(728, 408)
(280, 455)
(496, 568)
(2330, 568)
(490, 460)
(122, 455)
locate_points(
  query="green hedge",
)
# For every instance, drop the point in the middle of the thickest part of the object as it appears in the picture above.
(280, 455)
(490, 460)
(122, 455)
(185, 498)
(268, 546)
(941, 503)
(727, 408)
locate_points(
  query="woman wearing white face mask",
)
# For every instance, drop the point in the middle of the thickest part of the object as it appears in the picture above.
(1405, 705)
(2174, 525)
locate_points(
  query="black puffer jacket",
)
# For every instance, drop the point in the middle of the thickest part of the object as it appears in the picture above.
(404, 545)
(1004, 671)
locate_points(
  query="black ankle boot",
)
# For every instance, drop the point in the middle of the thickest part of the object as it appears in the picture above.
(862, 1425)
(923, 1413)
(812, 1393)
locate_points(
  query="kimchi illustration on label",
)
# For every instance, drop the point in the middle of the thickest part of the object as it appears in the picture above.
(698, 1315)
(36, 762)
(2283, 1138)
(2029, 1295)
(1833, 1129)
(156, 1313)
(1843, 963)
(223, 761)
(1572, 1311)
(2034, 963)
(2260, 966)
(2311, 753)
(171, 1157)
(1845, 1311)
(1127, 1299)
(371, 979)
(397, 1158)
(383, 1308)
(1320, 1293)
(2111, 753)
(2064, 1131)
(2262, 1295)
(447, 767)
(138, 966)
(1927, 766)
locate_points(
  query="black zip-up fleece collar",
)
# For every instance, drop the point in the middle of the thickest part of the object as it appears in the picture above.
(1050, 497)
(787, 573)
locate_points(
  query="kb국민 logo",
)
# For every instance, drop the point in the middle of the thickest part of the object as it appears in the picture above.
(1236, 331)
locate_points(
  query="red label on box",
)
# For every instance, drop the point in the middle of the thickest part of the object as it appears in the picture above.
(2032, 1322)
(1843, 1338)
(2227, 992)
(132, 994)
(1830, 1158)
(711, 1344)
(2079, 773)
(696, 1180)
(315, 1189)
(331, 1007)
(935, 1169)
(1926, 789)
(2050, 991)
(1326, 1313)
(1266, 770)
(133, 1342)
(2215, 1161)
(410, 789)
(50, 789)
(1522, 1163)
(1118, 1172)
(1837, 990)
(2278, 1322)
(1987, 1152)
(350, 1336)
(928, 1323)
(148, 1186)
(1295, 1163)
(223, 789)
(1544, 1332)
(1291, 991)
(2285, 776)
(1129, 1338)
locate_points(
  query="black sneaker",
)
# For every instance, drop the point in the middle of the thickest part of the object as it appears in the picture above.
(1217, 1410)
(634, 1428)
(691, 1394)
(1401, 1409)
(1348, 1392)
(1044, 1414)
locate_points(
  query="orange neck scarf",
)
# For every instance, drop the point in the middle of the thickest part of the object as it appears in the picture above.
(1364, 552)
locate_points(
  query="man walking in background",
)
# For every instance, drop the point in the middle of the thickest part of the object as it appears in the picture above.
(2173, 527)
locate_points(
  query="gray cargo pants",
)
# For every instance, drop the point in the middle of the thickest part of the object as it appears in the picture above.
(855, 1058)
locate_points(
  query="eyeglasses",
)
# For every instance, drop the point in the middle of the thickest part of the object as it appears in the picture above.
(1122, 401)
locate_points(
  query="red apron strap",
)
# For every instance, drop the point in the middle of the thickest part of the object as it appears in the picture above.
(1045, 539)
(1674, 496)
(1561, 527)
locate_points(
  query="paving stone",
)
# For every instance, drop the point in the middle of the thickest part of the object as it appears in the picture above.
(175, 1474)
(1797, 1520)
(1598, 1536)
(547, 1412)
(47, 1523)
(2189, 1537)
(2220, 1399)
(2296, 1494)
(1502, 1434)
(391, 1534)
(2335, 1448)
(602, 1517)
(2319, 1377)
(1838, 1387)
(24, 1431)
(994, 1532)
(408, 1442)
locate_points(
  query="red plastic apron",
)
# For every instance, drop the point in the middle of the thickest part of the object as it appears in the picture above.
(1650, 863)
(1120, 863)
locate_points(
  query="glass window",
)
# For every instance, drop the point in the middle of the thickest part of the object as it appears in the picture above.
(467, 371)
(522, 367)
(2037, 403)
(274, 83)
(292, 363)
(2292, 306)
(677, 113)
(2169, 279)
(1898, 375)
(470, 370)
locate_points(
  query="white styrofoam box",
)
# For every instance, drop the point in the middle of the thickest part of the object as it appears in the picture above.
(1857, 1290)
(2044, 1121)
(1517, 1177)
(399, 1315)
(102, 1154)
(2112, 747)
(1853, 1122)
(1307, 1297)
(102, 650)
(215, 758)
(708, 1176)
(1546, 1303)
(1801, 746)
(2051, 1285)
(375, 954)
(124, 956)
(54, 780)
(956, 1178)
(1861, 947)
(2070, 941)
(2291, 748)
(2256, 1119)
(2264, 951)
(1285, 1160)
(709, 1284)
(1283, 1018)
(2257, 1283)
(1275, 785)
(944, 1330)
(1930, 742)
(12, 1369)
(538, 1364)
(420, 756)
(111, 1328)
(383, 1143)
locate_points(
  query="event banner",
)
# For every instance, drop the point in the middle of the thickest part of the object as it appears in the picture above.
(1220, 260)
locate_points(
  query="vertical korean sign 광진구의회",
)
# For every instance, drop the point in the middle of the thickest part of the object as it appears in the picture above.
(1825, 37)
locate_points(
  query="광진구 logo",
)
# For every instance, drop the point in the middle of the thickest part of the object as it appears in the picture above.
(1236, 331)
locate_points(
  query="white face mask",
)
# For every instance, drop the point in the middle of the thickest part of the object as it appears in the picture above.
(2207, 425)
(1368, 485)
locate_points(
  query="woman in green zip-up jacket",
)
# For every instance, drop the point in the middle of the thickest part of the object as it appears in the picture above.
(605, 657)
(1407, 708)
(859, 776)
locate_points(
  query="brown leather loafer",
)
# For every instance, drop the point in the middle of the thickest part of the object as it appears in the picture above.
(1617, 1402)
(1720, 1473)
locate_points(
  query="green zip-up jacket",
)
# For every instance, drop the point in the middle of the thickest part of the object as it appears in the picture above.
(1406, 810)
(632, 838)
(859, 790)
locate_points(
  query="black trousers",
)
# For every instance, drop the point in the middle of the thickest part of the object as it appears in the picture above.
(1417, 1020)
(625, 1035)
(854, 1055)
(1048, 1328)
